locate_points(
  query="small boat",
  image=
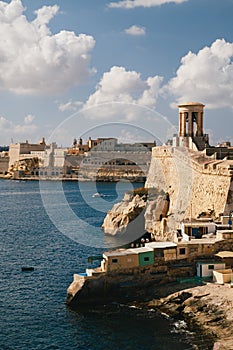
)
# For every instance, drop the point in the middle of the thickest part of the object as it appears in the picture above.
(97, 194)
(27, 268)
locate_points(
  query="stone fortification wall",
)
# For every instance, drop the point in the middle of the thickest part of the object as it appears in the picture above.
(189, 185)
(196, 186)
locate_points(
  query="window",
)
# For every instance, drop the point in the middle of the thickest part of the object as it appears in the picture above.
(159, 253)
(146, 258)
(114, 261)
(211, 267)
(182, 251)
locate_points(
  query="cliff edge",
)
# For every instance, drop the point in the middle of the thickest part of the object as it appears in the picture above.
(129, 217)
(203, 309)
(181, 185)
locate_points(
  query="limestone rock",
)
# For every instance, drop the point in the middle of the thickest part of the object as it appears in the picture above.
(122, 214)
(141, 213)
(156, 214)
(207, 308)
(158, 208)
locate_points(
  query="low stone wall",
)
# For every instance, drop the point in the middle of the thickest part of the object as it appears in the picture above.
(122, 285)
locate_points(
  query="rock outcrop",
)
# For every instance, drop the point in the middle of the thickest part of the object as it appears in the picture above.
(204, 310)
(156, 215)
(131, 215)
(24, 167)
(123, 214)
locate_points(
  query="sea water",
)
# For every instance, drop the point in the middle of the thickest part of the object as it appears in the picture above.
(32, 304)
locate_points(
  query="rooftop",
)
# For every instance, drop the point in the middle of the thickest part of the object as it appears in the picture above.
(119, 252)
(161, 245)
(140, 250)
(225, 254)
(191, 104)
(122, 252)
(211, 240)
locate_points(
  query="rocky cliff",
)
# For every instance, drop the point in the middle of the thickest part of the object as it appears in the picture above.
(202, 308)
(181, 184)
(130, 217)
(122, 214)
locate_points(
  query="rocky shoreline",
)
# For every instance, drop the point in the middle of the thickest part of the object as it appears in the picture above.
(207, 309)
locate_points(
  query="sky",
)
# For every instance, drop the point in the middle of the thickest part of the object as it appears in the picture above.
(100, 68)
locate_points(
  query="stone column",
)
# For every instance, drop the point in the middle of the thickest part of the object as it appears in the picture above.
(190, 124)
(180, 124)
(200, 124)
(182, 131)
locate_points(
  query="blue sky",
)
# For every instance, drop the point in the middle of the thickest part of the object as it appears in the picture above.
(87, 63)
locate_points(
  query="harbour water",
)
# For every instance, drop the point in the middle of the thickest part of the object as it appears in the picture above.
(32, 304)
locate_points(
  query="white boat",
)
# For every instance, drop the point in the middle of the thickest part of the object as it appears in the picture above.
(97, 194)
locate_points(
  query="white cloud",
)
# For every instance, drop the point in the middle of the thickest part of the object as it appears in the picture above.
(206, 76)
(129, 4)
(120, 87)
(29, 119)
(35, 61)
(70, 106)
(133, 134)
(135, 30)
(17, 132)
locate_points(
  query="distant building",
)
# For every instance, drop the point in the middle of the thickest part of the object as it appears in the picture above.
(108, 144)
(23, 150)
(36, 159)
(104, 159)
(52, 161)
(98, 159)
(4, 160)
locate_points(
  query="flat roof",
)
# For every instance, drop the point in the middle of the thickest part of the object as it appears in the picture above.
(130, 251)
(199, 224)
(208, 262)
(161, 245)
(225, 231)
(190, 104)
(225, 254)
(199, 241)
(203, 241)
(116, 253)
(140, 250)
